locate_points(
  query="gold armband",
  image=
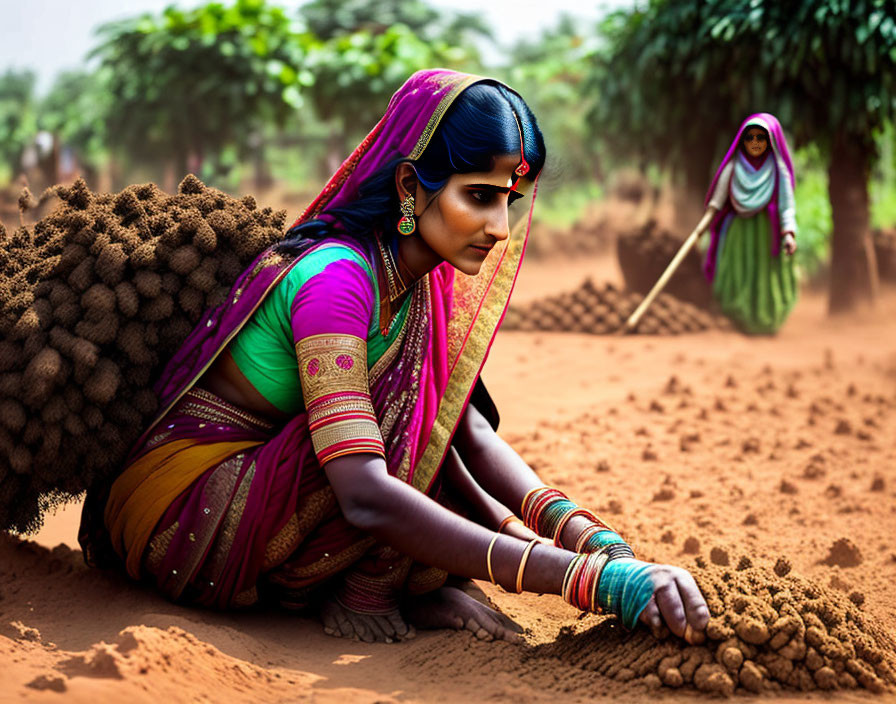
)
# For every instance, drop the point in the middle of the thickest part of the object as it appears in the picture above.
(333, 371)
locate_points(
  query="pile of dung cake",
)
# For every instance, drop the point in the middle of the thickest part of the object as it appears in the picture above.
(644, 253)
(94, 299)
(770, 631)
(602, 310)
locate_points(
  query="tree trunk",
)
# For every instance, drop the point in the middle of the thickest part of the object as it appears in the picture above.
(695, 179)
(264, 179)
(853, 265)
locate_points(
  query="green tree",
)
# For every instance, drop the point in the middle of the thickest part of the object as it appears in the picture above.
(676, 76)
(661, 93)
(200, 83)
(18, 118)
(833, 64)
(75, 112)
(550, 72)
(365, 49)
(327, 19)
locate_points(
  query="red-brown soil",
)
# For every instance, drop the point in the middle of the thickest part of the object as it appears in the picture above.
(775, 455)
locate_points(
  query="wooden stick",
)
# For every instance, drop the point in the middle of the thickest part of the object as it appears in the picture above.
(635, 317)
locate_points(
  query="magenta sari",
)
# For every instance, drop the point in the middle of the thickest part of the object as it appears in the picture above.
(264, 519)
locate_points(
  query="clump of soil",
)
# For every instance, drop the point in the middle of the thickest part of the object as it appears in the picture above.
(843, 553)
(94, 298)
(645, 253)
(768, 632)
(602, 310)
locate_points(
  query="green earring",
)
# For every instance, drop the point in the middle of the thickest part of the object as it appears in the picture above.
(407, 225)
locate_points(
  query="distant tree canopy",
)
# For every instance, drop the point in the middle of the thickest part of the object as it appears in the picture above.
(189, 87)
(550, 72)
(677, 78)
(18, 117)
(365, 49)
(327, 19)
(75, 111)
(190, 83)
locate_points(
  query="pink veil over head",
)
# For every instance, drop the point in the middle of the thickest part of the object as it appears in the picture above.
(781, 154)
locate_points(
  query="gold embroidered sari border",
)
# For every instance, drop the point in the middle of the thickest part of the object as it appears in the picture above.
(469, 362)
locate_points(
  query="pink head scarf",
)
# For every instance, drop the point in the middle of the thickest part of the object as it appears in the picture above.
(781, 154)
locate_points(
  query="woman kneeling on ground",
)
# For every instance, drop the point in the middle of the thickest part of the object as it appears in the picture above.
(325, 439)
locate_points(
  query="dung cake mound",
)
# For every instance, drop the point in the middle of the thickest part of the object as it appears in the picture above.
(94, 299)
(602, 310)
(644, 254)
(770, 631)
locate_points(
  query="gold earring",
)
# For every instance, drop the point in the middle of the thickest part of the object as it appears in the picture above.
(407, 225)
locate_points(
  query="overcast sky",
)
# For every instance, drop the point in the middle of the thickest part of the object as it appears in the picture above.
(51, 35)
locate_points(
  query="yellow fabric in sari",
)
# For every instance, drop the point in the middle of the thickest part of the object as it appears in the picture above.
(144, 491)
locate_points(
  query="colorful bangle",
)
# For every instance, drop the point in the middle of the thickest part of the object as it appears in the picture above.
(488, 559)
(597, 540)
(522, 568)
(594, 536)
(561, 524)
(581, 587)
(570, 569)
(536, 502)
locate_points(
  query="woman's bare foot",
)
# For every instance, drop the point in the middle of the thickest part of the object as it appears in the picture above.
(454, 607)
(371, 628)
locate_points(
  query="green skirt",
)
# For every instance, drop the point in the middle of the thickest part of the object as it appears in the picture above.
(755, 290)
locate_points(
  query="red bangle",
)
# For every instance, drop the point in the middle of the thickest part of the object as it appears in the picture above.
(563, 521)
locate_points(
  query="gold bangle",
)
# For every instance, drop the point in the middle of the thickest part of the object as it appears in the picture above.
(528, 494)
(507, 520)
(488, 559)
(522, 569)
(585, 536)
(600, 563)
(569, 569)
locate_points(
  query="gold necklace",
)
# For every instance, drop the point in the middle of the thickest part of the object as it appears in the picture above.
(395, 286)
(394, 281)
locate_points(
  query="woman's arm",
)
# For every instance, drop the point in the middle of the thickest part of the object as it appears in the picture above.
(503, 474)
(500, 471)
(491, 512)
(395, 513)
(787, 210)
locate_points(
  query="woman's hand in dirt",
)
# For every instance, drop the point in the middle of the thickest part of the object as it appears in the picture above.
(676, 604)
(789, 243)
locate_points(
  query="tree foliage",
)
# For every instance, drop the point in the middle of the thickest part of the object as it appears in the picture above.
(327, 19)
(198, 81)
(18, 117)
(365, 49)
(550, 72)
(678, 74)
(677, 77)
(75, 111)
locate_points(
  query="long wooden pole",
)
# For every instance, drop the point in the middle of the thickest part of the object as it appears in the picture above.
(635, 317)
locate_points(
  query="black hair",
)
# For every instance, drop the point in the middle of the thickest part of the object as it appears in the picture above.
(485, 121)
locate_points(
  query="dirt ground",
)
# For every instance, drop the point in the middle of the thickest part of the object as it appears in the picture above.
(706, 447)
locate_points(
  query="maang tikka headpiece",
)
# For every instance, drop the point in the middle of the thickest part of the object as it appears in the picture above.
(523, 167)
